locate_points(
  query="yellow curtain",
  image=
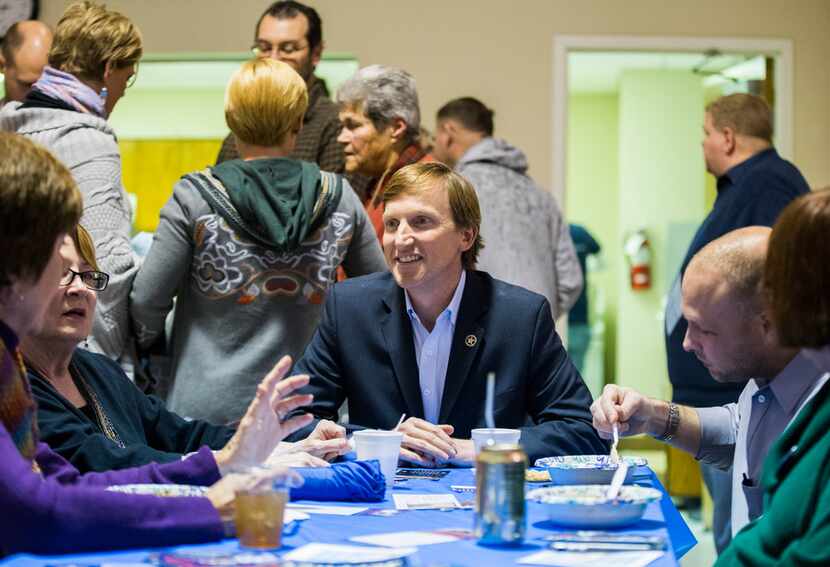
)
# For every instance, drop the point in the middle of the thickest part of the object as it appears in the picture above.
(151, 168)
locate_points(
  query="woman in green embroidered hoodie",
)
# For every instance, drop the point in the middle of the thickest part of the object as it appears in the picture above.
(795, 526)
(249, 249)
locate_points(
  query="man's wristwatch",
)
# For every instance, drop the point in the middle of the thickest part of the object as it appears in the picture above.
(672, 423)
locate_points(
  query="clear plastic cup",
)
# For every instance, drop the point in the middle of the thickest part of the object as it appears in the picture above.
(258, 514)
(499, 436)
(385, 446)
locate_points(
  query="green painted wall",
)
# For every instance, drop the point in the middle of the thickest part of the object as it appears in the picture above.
(183, 98)
(634, 161)
(661, 189)
(593, 199)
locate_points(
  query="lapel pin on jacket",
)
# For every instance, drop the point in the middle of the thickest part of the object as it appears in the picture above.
(470, 341)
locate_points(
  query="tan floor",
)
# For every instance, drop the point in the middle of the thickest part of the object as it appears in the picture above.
(703, 554)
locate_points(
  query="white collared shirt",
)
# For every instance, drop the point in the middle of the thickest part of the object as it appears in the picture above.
(432, 350)
(725, 430)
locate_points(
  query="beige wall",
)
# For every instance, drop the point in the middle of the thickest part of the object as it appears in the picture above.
(501, 51)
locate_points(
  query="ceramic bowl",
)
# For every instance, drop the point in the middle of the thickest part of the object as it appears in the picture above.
(587, 469)
(587, 506)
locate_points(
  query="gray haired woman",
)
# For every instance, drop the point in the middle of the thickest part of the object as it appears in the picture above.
(381, 129)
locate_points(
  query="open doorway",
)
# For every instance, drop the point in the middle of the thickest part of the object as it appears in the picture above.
(628, 113)
(628, 116)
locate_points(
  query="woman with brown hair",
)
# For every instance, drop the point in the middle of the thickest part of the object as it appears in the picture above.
(93, 60)
(47, 506)
(795, 527)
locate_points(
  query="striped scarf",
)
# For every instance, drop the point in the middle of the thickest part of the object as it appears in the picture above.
(17, 406)
(67, 88)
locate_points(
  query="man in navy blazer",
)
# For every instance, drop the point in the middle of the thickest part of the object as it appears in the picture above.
(421, 339)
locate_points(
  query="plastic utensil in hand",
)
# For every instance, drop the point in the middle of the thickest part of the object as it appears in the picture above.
(617, 481)
(614, 457)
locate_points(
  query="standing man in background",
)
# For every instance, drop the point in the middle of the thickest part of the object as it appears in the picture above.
(292, 32)
(754, 185)
(528, 241)
(23, 56)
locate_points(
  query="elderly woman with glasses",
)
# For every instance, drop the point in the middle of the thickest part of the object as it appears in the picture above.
(88, 410)
(93, 60)
(47, 505)
(381, 129)
(795, 526)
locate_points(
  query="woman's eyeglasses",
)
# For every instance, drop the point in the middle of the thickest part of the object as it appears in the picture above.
(92, 279)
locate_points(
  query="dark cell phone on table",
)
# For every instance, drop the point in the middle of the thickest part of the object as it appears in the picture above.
(422, 473)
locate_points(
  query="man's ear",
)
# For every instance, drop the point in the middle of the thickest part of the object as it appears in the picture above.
(468, 238)
(2, 63)
(766, 322)
(730, 140)
(450, 126)
(452, 130)
(317, 54)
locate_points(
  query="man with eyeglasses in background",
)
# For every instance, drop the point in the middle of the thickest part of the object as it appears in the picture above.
(292, 32)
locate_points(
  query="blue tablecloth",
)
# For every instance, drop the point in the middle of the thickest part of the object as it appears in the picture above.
(661, 518)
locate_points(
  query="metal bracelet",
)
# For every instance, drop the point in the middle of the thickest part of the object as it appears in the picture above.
(672, 423)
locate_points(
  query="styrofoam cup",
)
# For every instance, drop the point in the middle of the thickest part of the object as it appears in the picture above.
(498, 435)
(385, 446)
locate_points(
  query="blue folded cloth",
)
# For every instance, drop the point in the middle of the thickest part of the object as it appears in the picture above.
(357, 481)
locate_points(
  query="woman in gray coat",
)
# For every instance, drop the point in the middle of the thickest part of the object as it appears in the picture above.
(93, 60)
(249, 248)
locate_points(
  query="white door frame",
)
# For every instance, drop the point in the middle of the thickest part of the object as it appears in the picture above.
(780, 49)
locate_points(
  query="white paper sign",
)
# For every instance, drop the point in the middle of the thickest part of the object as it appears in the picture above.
(325, 552)
(330, 510)
(425, 501)
(394, 539)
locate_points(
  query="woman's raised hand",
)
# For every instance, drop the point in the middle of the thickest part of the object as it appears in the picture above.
(264, 424)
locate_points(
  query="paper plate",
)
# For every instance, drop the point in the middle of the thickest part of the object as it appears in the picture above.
(197, 558)
(587, 469)
(586, 506)
(166, 490)
(173, 490)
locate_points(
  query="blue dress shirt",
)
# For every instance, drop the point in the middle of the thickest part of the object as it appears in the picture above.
(432, 350)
